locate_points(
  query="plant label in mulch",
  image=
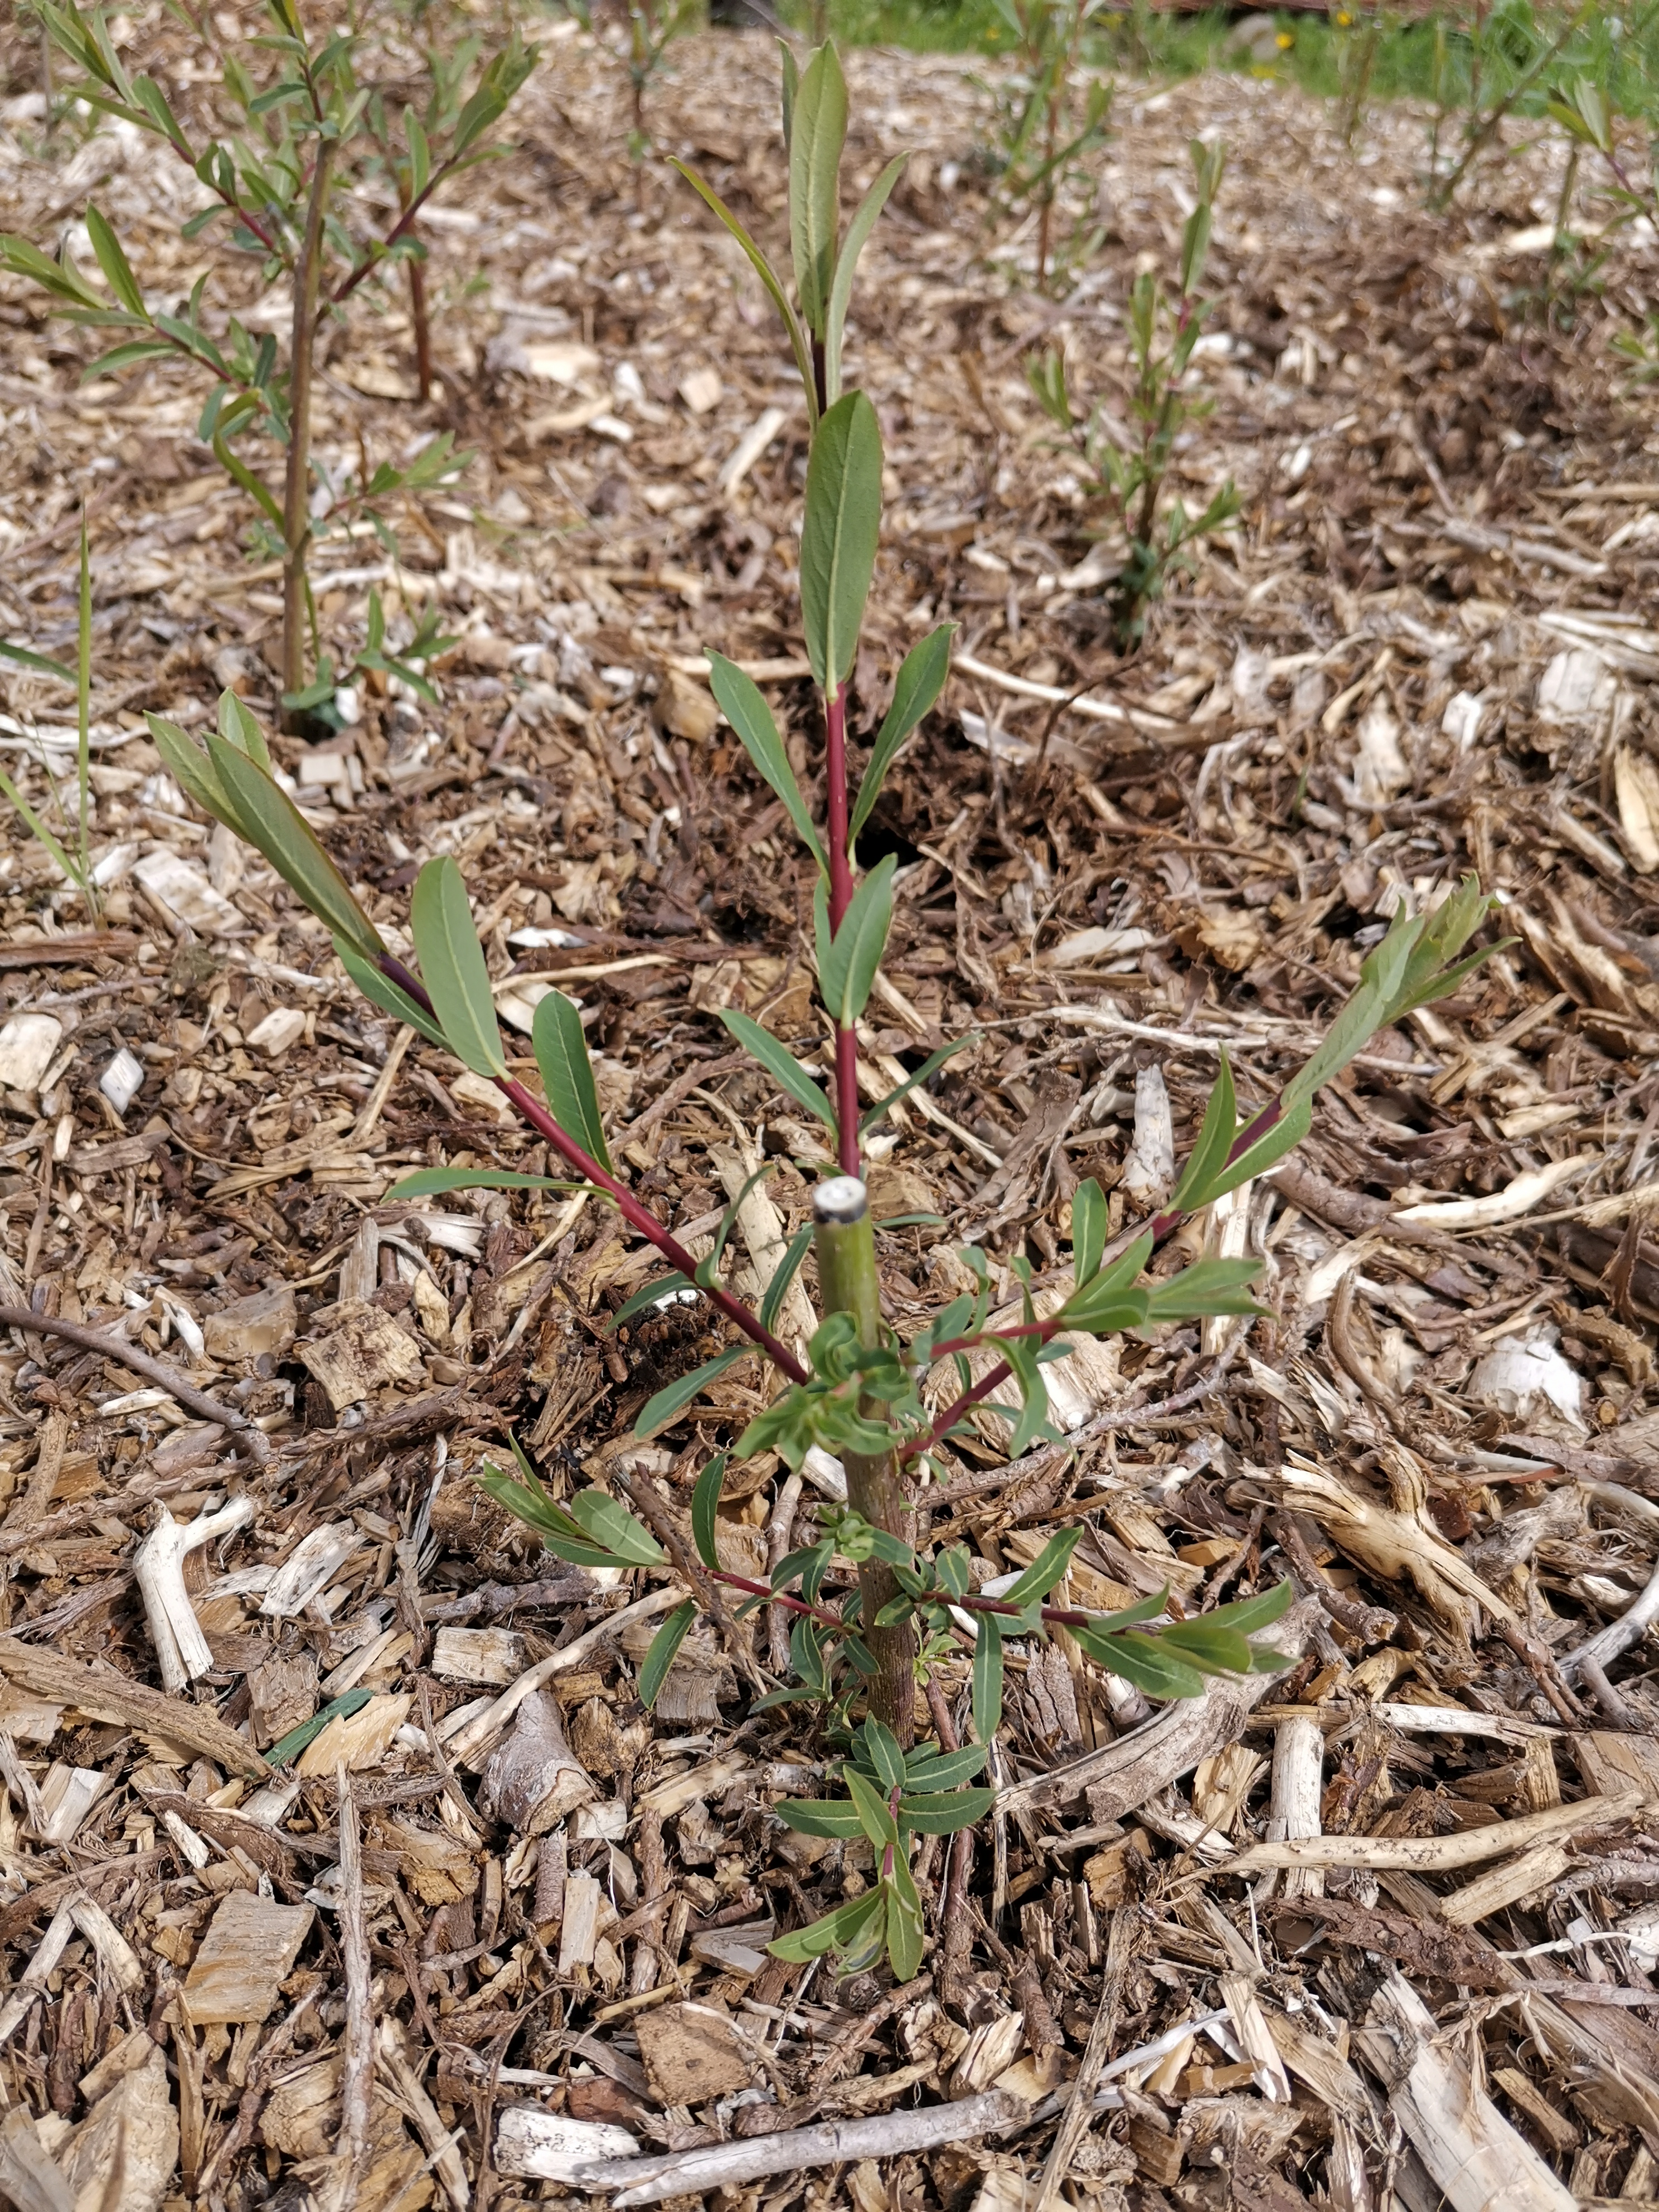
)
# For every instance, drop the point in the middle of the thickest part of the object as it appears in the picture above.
(364, 1350)
(246, 1955)
(692, 2053)
(263, 1322)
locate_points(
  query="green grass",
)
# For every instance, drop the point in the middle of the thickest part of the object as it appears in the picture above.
(1443, 61)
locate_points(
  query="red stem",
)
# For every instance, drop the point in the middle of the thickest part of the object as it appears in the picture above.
(638, 1217)
(841, 897)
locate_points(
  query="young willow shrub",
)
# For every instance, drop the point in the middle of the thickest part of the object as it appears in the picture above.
(1128, 473)
(860, 1392)
(282, 189)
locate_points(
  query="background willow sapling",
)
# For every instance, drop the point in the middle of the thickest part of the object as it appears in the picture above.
(280, 189)
(873, 1614)
(1128, 467)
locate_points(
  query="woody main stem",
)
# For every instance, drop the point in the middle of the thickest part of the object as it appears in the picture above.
(843, 1240)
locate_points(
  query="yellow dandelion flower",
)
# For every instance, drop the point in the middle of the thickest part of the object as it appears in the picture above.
(1284, 41)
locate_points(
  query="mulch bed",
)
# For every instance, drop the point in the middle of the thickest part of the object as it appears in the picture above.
(1422, 651)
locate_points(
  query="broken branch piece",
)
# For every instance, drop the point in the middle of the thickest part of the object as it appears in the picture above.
(158, 1568)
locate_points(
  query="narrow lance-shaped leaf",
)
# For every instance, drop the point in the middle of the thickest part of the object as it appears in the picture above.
(1214, 1138)
(659, 1411)
(453, 968)
(918, 684)
(987, 1676)
(838, 534)
(741, 701)
(769, 277)
(930, 1066)
(1089, 1219)
(780, 1063)
(561, 1047)
(269, 819)
(665, 1647)
(391, 998)
(817, 132)
(783, 1275)
(846, 261)
(846, 978)
(705, 1504)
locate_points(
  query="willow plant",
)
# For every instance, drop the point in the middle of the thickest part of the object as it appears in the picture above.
(279, 188)
(72, 849)
(873, 1613)
(1129, 473)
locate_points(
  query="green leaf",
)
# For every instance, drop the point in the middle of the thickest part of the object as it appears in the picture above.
(1246, 1615)
(905, 1940)
(943, 1769)
(855, 951)
(835, 1932)
(1021, 1355)
(943, 1815)
(1217, 1650)
(705, 1500)
(769, 277)
(659, 1411)
(665, 1645)
(239, 726)
(874, 1818)
(1209, 1286)
(781, 1064)
(240, 473)
(38, 828)
(266, 815)
(1046, 1570)
(194, 773)
(1088, 1230)
(118, 270)
(561, 1049)
(881, 1747)
(817, 132)
(1146, 1663)
(607, 1522)
(839, 535)
(39, 663)
(289, 1746)
(783, 1275)
(846, 261)
(391, 998)
(1209, 1154)
(429, 1182)
(819, 1816)
(527, 1500)
(988, 1675)
(917, 685)
(1290, 1124)
(742, 701)
(453, 971)
(931, 1066)
(1109, 1288)
(1146, 1608)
